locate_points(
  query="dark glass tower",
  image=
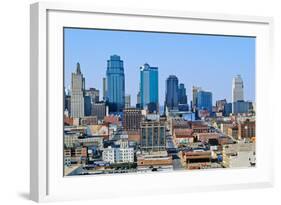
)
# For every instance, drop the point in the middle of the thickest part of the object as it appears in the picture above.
(115, 95)
(182, 94)
(172, 92)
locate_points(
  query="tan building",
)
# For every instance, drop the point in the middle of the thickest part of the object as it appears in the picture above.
(204, 137)
(246, 129)
(224, 127)
(98, 131)
(233, 132)
(196, 159)
(154, 160)
(134, 136)
(200, 127)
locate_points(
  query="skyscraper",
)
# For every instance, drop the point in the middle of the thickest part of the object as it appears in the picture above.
(171, 100)
(77, 93)
(204, 101)
(149, 87)
(237, 91)
(195, 90)
(182, 94)
(115, 84)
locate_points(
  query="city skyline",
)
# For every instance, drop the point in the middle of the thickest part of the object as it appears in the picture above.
(240, 48)
(129, 130)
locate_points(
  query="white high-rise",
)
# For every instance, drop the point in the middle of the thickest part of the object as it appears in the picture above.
(77, 96)
(237, 90)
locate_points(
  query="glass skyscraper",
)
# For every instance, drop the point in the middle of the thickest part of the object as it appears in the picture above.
(172, 92)
(182, 94)
(149, 87)
(115, 94)
(204, 101)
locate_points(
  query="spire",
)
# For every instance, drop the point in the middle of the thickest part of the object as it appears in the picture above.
(78, 70)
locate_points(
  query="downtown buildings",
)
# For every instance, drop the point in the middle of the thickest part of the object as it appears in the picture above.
(127, 138)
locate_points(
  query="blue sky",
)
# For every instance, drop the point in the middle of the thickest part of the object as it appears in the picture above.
(202, 60)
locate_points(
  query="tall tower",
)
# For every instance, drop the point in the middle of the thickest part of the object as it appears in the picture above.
(182, 94)
(115, 84)
(77, 93)
(237, 90)
(149, 87)
(195, 91)
(171, 100)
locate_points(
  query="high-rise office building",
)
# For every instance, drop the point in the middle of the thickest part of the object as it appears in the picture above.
(204, 101)
(115, 84)
(127, 101)
(153, 135)
(149, 87)
(238, 94)
(171, 99)
(77, 93)
(195, 90)
(182, 94)
(131, 119)
(237, 89)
